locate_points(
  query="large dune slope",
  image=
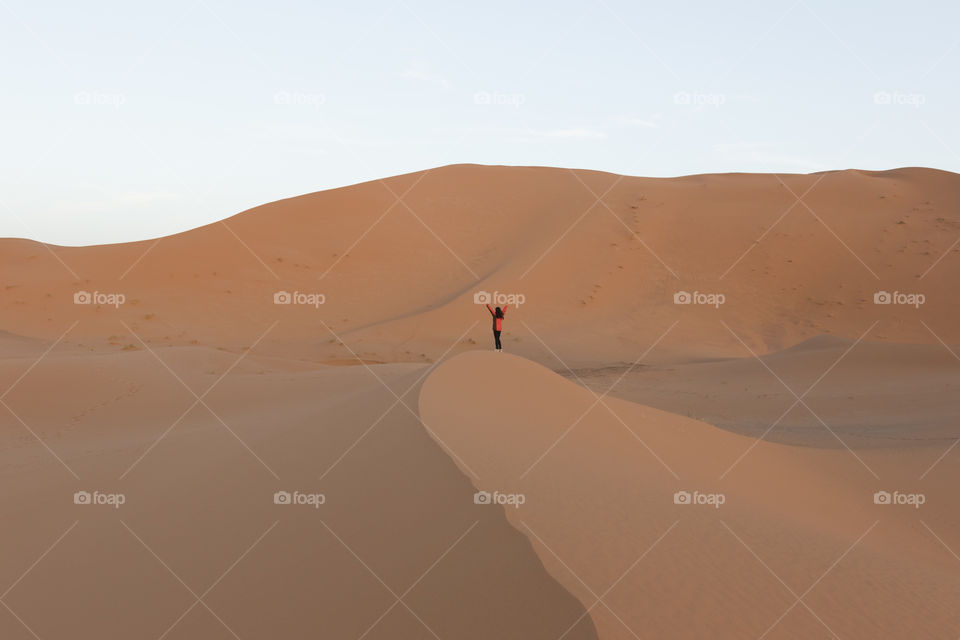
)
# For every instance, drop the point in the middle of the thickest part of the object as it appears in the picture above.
(599, 480)
(598, 274)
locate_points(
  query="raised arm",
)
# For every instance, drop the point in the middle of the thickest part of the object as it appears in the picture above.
(505, 309)
(490, 309)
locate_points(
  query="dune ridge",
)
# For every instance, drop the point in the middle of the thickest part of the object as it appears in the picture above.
(398, 261)
(599, 485)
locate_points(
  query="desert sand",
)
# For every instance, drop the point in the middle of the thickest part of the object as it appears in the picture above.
(164, 372)
(398, 549)
(599, 479)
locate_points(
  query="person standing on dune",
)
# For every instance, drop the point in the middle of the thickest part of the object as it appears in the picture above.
(497, 314)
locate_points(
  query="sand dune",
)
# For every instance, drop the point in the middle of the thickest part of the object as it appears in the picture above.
(399, 275)
(398, 521)
(599, 498)
(165, 371)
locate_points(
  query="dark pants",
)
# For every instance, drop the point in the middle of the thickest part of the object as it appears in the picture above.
(496, 337)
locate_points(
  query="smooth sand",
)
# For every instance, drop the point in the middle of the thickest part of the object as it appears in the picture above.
(599, 480)
(599, 278)
(301, 398)
(202, 497)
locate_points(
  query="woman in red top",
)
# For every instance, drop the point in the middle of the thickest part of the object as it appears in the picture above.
(497, 314)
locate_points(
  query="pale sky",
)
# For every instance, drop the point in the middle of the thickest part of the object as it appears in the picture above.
(129, 120)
